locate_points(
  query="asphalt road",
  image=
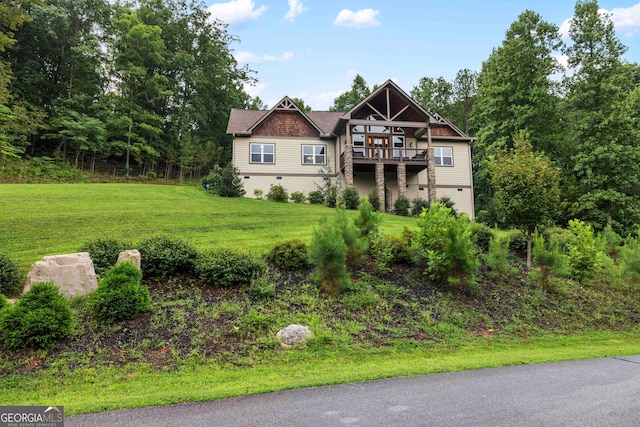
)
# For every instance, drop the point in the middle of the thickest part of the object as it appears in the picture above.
(595, 392)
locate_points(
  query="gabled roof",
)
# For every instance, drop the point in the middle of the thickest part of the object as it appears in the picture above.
(388, 101)
(396, 103)
(244, 122)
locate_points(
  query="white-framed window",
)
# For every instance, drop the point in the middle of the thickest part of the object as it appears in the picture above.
(314, 154)
(263, 153)
(443, 156)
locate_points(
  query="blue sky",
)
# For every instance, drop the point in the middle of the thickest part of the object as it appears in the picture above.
(312, 49)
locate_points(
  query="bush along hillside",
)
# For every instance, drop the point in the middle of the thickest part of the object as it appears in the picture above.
(449, 283)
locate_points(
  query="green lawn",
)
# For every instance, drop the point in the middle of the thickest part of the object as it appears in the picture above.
(531, 325)
(47, 219)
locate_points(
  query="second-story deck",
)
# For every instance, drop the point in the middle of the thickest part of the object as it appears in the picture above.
(365, 158)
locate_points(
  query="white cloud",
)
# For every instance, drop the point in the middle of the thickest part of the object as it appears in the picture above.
(295, 8)
(363, 18)
(236, 11)
(627, 19)
(255, 90)
(250, 58)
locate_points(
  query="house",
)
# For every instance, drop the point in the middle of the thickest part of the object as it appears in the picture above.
(387, 143)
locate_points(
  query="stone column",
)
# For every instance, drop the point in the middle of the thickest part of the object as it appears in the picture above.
(380, 185)
(348, 164)
(402, 179)
(431, 175)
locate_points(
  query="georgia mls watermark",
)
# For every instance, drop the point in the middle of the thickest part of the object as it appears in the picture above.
(31, 416)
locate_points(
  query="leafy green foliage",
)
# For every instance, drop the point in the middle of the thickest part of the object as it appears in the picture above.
(165, 256)
(289, 255)
(104, 252)
(497, 258)
(3, 302)
(226, 267)
(444, 242)
(263, 287)
(328, 254)
(630, 261)
(583, 251)
(277, 193)
(602, 123)
(10, 283)
(518, 244)
(516, 92)
(527, 192)
(402, 205)
(549, 264)
(331, 199)
(120, 296)
(298, 197)
(349, 99)
(315, 197)
(368, 219)
(224, 182)
(374, 199)
(481, 235)
(351, 198)
(356, 245)
(41, 317)
(387, 250)
(417, 205)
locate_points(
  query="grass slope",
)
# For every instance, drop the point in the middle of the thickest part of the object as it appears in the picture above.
(200, 342)
(47, 219)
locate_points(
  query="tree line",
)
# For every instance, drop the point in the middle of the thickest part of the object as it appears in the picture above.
(148, 85)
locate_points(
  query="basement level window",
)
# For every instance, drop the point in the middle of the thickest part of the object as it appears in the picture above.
(246, 177)
(459, 189)
(278, 177)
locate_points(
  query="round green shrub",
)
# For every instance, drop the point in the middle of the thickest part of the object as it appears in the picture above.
(402, 205)
(332, 197)
(227, 267)
(119, 295)
(351, 198)
(165, 256)
(10, 283)
(3, 302)
(104, 252)
(277, 193)
(481, 235)
(289, 255)
(41, 317)
(518, 244)
(418, 204)
(298, 197)
(374, 199)
(315, 197)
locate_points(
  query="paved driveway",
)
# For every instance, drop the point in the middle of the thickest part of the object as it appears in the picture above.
(596, 392)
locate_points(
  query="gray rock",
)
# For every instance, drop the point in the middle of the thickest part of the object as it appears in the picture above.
(294, 335)
(73, 274)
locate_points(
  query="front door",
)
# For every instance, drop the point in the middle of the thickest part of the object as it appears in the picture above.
(378, 147)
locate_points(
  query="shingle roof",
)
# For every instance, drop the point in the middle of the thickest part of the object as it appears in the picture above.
(240, 121)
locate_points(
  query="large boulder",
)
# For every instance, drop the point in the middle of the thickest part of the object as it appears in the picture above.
(132, 255)
(73, 274)
(294, 336)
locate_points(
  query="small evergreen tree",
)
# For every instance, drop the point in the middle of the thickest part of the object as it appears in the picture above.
(224, 182)
(328, 254)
